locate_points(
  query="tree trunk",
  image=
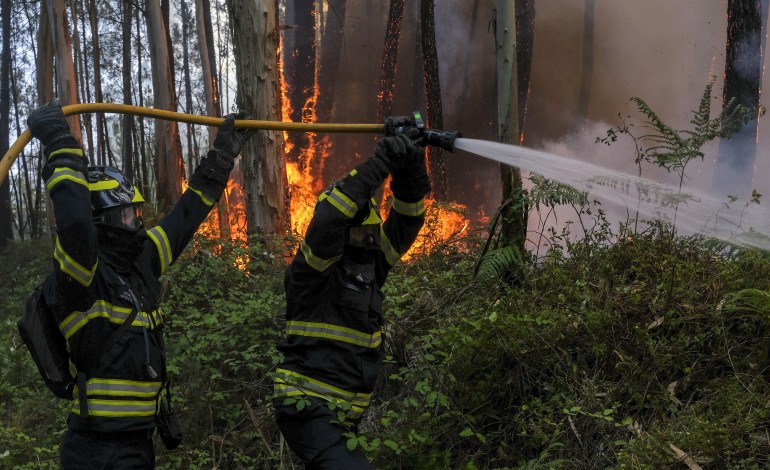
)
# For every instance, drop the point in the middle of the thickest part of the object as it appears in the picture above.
(389, 59)
(525, 44)
(168, 148)
(255, 46)
(301, 62)
(735, 160)
(65, 67)
(331, 46)
(434, 114)
(127, 119)
(513, 229)
(6, 222)
(101, 138)
(82, 71)
(140, 137)
(587, 73)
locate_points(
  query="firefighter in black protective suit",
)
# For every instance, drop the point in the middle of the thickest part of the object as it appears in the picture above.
(105, 266)
(333, 350)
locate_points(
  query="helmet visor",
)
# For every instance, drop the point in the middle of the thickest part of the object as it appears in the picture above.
(127, 217)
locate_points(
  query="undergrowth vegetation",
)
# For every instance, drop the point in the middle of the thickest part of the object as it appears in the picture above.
(631, 348)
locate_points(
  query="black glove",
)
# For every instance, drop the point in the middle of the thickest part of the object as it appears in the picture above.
(212, 174)
(230, 140)
(395, 151)
(392, 123)
(48, 125)
(409, 179)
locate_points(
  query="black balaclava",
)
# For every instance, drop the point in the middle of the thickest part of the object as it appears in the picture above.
(118, 247)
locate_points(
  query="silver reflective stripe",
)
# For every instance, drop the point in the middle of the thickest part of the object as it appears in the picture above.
(391, 255)
(117, 387)
(71, 267)
(343, 203)
(319, 264)
(117, 408)
(158, 236)
(289, 383)
(102, 309)
(412, 209)
(334, 332)
(64, 174)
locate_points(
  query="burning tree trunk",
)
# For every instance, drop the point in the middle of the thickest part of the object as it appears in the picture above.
(514, 222)
(390, 54)
(433, 111)
(300, 63)
(6, 233)
(255, 46)
(735, 162)
(525, 39)
(331, 45)
(168, 147)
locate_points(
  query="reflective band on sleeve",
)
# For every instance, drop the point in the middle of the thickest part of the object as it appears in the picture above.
(102, 309)
(65, 174)
(71, 150)
(412, 209)
(391, 255)
(158, 236)
(342, 202)
(203, 197)
(334, 333)
(289, 384)
(319, 264)
(71, 267)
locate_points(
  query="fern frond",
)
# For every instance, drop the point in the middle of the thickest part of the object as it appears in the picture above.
(496, 262)
(748, 300)
(552, 193)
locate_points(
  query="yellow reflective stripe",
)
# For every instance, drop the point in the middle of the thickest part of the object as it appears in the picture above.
(334, 332)
(159, 237)
(353, 172)
(206, 200)
(391, 255)
(71, 267)
(103, 309)
(412, 209)
(116, 408)
(62, 174)
(71, 150)
(342, 202)
(319, 264)
(289, 383)
(120, 387)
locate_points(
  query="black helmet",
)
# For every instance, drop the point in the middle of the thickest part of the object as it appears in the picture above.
(114, 199)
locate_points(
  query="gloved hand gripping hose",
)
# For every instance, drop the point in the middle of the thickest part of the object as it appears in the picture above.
(25, 137)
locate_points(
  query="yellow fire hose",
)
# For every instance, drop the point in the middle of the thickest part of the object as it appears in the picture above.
(17, 147)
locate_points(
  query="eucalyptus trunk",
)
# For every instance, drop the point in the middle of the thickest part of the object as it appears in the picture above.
(255, 45)
(512, 212)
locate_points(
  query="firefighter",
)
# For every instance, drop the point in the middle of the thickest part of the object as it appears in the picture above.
(333, 350)
(106, 265)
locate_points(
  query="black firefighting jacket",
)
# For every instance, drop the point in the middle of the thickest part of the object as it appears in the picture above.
(334, 323)
(90, 302)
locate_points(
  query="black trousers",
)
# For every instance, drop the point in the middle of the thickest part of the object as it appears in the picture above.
(318, 441)
(117, 451)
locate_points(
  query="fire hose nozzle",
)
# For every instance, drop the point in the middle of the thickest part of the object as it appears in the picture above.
(424, 137)
(443, 139)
